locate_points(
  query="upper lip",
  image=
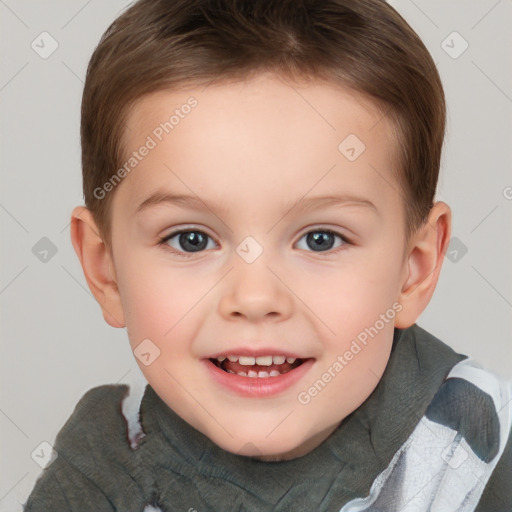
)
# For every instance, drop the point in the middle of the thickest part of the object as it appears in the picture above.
(250, 352)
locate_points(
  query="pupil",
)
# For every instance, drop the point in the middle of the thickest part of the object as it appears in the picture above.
(321, 240)
(193, 241)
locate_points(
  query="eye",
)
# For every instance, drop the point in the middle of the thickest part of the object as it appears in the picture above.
(187, 241)
(322, 240)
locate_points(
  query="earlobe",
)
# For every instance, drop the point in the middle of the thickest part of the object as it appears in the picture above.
(423, 266)
(97, 265)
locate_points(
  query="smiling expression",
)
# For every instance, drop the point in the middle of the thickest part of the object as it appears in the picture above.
(249, 231)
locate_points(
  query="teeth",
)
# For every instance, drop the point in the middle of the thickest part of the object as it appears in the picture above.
(246, 361)
(264, 360)
(261, 360)
(261, 374)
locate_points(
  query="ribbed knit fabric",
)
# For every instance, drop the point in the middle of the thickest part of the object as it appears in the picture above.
(176, 468)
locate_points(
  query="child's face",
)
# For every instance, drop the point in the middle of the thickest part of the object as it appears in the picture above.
(245, 154)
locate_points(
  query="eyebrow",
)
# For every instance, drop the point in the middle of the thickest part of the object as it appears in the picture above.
(302, 205)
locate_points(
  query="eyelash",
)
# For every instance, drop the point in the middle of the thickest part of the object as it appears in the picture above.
(163, 241)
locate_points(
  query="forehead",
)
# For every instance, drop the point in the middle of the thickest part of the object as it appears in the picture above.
(262, 137)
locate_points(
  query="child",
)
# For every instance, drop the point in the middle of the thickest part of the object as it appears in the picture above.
(224, 143)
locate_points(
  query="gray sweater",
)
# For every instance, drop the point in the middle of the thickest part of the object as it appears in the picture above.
(428, 438)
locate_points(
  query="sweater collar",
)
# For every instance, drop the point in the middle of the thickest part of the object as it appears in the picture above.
(346, 462)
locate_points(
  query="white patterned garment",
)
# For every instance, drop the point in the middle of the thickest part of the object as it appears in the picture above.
(437, 469)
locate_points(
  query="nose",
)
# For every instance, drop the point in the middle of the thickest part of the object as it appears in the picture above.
(256, 293)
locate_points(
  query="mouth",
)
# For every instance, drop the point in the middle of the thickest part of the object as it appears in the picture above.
(257, 367)
(258, 376)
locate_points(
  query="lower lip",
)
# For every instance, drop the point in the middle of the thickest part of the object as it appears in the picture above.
(258, 386)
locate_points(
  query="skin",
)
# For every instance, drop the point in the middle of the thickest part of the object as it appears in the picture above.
(254, 148)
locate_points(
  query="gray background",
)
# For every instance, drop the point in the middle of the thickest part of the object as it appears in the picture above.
(54, 342)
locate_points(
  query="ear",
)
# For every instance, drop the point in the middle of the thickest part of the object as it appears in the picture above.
(97, 264)
(423, 265)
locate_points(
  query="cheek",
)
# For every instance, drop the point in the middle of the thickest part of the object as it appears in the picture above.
(155, 298)
(354, 295)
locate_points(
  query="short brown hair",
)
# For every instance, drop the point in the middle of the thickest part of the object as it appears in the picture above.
(361, 44)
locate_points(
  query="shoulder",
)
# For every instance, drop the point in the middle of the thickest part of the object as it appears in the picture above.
(475, 403)
(91, 451)
(98, 407)
(105, 415)
(463, 440)
(471, 402)
(470, 421)
(428, 349)
(95, 430)
(459, 452)
(103, 397)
